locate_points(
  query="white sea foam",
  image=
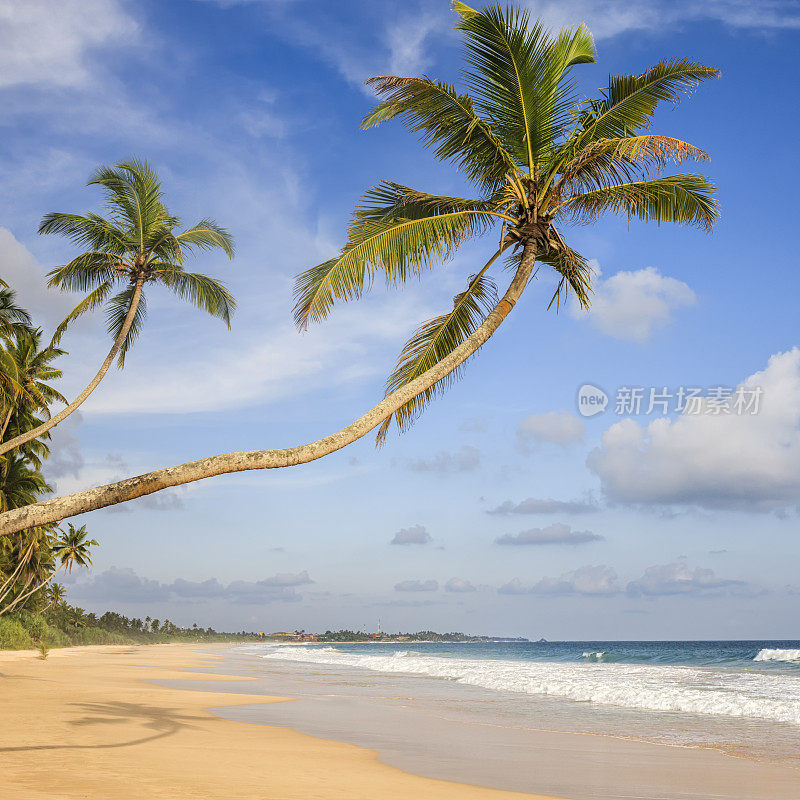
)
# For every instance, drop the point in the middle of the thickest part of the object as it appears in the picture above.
(754, 695)
(768, 654)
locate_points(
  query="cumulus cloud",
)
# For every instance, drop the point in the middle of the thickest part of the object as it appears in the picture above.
(66, 457)
(554, 427)
(600, 581)
(633, 305)
(677, 578)
(416, 534)
(535, 505)
(417, 586)
(125, 586)
(459, 585)
(464, 460)
(732, 461)
(557, 533)
(46, 42)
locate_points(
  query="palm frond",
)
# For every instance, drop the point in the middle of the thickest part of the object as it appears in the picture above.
(207, 235)
(575, 275)
(432, 342)
(117, 311)
(629, 102)
(84, 272)
(618, 160)
(206, 293)
(401, 242)
(90, 230)
(517, 77)
(447, 121)
(93, 300)
(684, 199)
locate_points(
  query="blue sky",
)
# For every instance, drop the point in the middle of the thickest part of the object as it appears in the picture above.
(635, 527)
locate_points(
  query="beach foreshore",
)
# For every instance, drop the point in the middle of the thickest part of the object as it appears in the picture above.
(88, 723)
(168, 721)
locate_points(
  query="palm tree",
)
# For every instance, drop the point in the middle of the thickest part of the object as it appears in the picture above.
(25, 373)
(56, 594)
(11, 315)
(540, 157)
(135, 245)
(72, 547)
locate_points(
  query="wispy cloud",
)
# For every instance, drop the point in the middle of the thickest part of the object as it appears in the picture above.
(557, 533)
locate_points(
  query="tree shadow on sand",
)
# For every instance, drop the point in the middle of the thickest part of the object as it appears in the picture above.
(161, 721)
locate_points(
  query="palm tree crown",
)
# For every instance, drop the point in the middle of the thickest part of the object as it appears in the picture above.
(540, 157)
(135, 244)
(73, 547)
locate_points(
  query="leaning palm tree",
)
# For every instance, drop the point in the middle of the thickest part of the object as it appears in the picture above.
(540, 157)
(135, 245)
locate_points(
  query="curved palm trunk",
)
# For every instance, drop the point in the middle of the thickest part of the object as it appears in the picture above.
(91, 499)
(6, 422)
(22, 597)
(81, 398)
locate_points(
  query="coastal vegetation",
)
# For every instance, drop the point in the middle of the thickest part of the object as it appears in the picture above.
(540, 158)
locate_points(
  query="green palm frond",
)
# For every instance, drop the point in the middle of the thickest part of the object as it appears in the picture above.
(395, 237)
(91, 231)
(516, 76)
(206, 293)
(629, 101)
(685, 199)
(93, 300)
(84, 272)
(116, 312)
(207, 235)
(448, 122)
(11, 314)
(432, 342)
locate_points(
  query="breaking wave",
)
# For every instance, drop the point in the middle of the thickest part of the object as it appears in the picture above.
(681, 689)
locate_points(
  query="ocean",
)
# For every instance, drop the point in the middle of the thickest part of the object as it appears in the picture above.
(742, 697)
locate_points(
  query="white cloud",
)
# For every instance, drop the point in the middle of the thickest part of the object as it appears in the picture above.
(464, 460)
(588, 580)
(416, 586)
(677, 578)
(23, 273)
(42, 41)
(633, 305)
(607, 18)
(736, 461)
(417, 534)
(554, 427)
(557, 533)
(124, 585)
(459, 586)
(535, 505)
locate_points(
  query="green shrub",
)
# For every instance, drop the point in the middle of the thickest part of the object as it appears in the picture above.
(13, 635)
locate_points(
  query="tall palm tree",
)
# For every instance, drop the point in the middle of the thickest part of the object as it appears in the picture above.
(136, 244)
(540, 157)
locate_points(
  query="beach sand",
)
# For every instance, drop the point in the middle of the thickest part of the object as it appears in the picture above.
(86, 723)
